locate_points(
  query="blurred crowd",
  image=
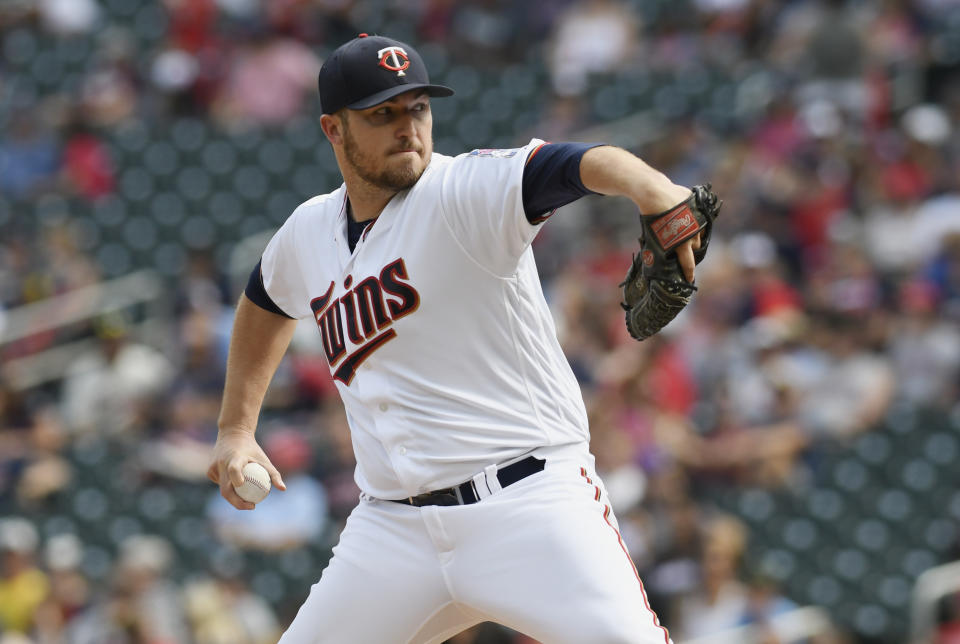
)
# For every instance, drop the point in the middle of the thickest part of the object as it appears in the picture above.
(831, 292)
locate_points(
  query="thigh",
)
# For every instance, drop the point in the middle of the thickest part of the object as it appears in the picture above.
(553, 566)
(383, 584)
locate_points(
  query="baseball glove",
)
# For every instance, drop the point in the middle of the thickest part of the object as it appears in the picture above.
(655, 290)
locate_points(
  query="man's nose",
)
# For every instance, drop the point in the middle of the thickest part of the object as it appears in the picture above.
(405, 127)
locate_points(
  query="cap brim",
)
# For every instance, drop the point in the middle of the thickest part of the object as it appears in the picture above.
(387, 94)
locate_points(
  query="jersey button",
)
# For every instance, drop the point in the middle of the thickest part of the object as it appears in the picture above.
(383, 407)
(403, 450)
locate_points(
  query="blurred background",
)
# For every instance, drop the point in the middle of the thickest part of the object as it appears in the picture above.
(782, 458)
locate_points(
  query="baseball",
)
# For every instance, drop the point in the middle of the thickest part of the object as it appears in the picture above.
(256, 483)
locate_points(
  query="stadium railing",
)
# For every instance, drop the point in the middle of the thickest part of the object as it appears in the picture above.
(931, 587)
(142, 291)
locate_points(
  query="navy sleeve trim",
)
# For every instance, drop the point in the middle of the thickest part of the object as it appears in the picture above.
(257, 294)
(551, 179)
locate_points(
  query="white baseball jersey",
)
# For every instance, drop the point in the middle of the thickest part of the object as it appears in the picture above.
(435, 327)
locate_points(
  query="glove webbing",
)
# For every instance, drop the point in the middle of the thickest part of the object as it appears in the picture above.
(651, 316)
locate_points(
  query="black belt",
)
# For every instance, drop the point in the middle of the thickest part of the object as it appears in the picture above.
(466, 493)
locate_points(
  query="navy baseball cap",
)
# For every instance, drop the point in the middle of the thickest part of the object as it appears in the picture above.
(369, 70)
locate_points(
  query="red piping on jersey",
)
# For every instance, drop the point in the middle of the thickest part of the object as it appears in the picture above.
(543, 218)
(534, 153)
(363, 235)
(606, 517)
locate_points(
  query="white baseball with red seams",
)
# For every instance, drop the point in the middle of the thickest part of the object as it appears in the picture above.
(445, 354)
(256, 483)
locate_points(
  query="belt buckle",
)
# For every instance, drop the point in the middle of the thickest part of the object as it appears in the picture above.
(458, 494)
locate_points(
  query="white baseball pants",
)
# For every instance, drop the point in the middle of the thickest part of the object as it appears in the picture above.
(542, 556)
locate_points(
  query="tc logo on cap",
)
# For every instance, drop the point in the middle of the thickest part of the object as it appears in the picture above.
(394, 58)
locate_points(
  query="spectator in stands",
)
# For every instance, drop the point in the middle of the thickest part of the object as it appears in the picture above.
(268, 82)
(109, 95)
(855, 387)
(722, 599)
(23, 586)
(106, 390)
(924, 347)
(70, 591)
(764, 605)
(44, 471)
(225, 610)
(16, 421)
(944, 272)
(87, 165)
(68, 17)
(592, 37)
(29, 156)
(192, 24)
(671, 565)
(483, 32)
(63, 265)
(835, 50)
(155, 602)
(142, 604)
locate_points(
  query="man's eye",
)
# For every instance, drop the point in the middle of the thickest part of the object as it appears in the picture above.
(382, 111)
(419, 107)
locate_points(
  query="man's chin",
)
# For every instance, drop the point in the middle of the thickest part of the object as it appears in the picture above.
(404, 177)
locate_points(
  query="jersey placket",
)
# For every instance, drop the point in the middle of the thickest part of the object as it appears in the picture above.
(370, 384)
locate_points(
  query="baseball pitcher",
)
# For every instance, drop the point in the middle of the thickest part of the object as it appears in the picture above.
(479, 500)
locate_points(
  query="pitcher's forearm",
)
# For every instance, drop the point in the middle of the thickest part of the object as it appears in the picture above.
(614, 171)
(258, 342)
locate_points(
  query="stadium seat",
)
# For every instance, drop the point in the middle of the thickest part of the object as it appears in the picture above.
(757, 505)
(276, 157)
(298, 564)
(801, 534)
(136, 184)
(189, 134)
(161, 159)
(156, 504)
(115, 259)
(270, 585)
(193, 183)
(872, 448)
(871, 535)
(823, 590)
(871, 619)
(97, 562)
(219, 157)
(150, 22)
(169, 258)
(251, 183)
(198, 232)
(225, 208)
(20, 46)
(140, 233)
(168, 209)
(121, 527)
(90, 505)
(850, 475)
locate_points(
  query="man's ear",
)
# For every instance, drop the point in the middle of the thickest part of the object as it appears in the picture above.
(332, 126)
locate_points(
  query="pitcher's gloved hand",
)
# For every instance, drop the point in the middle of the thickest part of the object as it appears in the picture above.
(655, 289)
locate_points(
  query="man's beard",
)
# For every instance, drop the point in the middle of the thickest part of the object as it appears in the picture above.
(394, 179)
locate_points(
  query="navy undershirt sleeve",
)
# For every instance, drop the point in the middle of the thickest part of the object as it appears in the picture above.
(257, 294)
(551, 178)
